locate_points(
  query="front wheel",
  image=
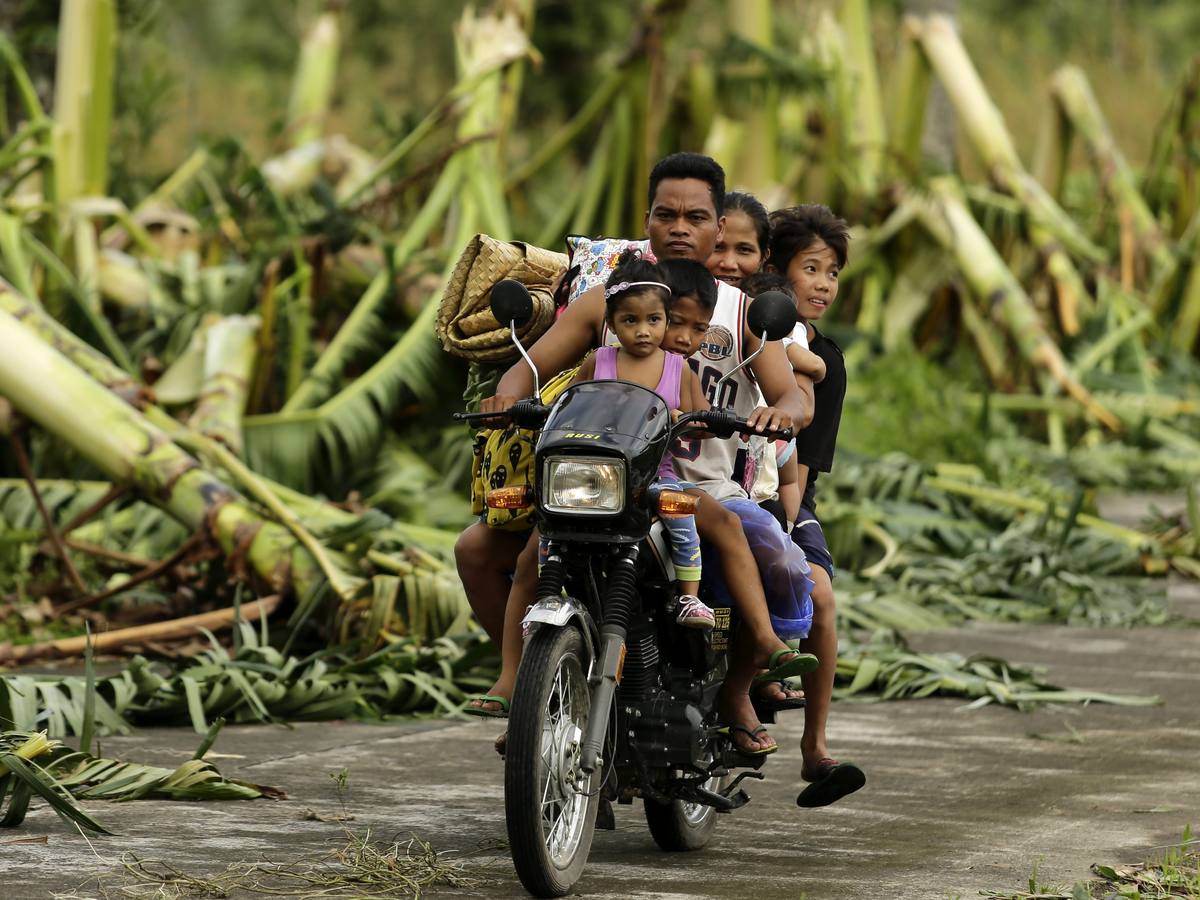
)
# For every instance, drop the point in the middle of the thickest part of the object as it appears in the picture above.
(549, 805)
(679, 826)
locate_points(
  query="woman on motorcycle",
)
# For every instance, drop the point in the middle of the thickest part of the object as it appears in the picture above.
(742, 248)
(738, 257)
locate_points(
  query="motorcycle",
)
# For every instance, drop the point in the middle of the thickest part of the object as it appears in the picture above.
(613, 700)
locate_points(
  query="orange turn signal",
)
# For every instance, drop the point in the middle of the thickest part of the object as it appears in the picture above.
(676, 503)
(516, 497)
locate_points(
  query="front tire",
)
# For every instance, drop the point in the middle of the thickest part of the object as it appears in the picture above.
(681, 827)
(550, 823)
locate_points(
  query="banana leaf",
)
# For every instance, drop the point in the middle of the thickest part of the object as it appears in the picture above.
(31, 764)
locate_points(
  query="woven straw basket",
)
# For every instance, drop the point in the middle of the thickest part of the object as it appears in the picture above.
(465, 324)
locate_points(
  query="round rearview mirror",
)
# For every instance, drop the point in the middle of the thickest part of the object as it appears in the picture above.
(511, 300)
(772, 312)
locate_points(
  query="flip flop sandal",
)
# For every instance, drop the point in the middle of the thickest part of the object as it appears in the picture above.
(799, 664)
(831, 782)
(501, 745)
(753, 735)
(766, 705)
(501, 713)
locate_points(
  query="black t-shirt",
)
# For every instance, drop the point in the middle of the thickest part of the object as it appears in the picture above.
(816, 443)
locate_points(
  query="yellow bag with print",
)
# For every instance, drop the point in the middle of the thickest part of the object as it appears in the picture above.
(504, 458)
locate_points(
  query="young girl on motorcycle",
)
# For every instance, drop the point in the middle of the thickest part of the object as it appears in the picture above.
(637, 301)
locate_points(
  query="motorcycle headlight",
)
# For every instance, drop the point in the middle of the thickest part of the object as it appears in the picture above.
(587, 485)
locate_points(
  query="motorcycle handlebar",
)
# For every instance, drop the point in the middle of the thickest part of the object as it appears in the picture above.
(720, 422)
(525, 413)
(724, 424)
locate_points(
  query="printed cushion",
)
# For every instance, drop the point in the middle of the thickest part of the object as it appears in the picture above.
(596, 258)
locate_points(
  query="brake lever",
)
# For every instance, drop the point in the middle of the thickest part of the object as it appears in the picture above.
(783, 434)
(478, 417)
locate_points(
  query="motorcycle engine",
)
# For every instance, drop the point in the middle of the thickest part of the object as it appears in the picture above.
(639, 678)
(667, 732)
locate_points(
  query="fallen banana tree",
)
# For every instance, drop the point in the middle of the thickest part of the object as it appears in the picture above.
(261, 540)
(886, 669)
(952, 224)
(339, 253)
(51, 391)
(255, 682)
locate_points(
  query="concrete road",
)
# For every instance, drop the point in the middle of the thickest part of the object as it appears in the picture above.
(956, 801)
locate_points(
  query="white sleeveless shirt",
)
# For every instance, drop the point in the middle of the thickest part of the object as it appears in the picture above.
(708, 464)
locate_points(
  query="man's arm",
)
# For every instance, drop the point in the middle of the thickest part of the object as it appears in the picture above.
(587, 371)
(791, 405)
(575, 333)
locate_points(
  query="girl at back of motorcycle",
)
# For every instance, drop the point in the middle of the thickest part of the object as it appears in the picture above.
(809, 246)
(637, 302)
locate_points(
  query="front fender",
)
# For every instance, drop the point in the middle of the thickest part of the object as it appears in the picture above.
(560, 611)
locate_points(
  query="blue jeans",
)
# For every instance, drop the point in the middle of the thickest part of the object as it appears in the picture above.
(682, 536)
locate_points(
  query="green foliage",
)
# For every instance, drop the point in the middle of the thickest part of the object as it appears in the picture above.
(407, 486)
(920, 557)
(905, 402)
(303, 448)
(255, 682)
(909, 403)
(889, 670)
(146, 88)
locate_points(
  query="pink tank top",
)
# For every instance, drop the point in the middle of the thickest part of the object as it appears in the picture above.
(667, 388)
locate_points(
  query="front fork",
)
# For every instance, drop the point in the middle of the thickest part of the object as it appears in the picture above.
(618, 607)
(554, 609)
